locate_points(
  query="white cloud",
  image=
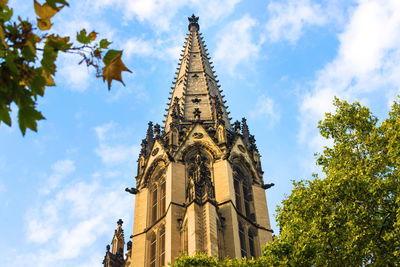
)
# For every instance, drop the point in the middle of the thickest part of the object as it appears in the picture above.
(76, 77)
(160, 13)
(137, 46)
(367, 61)
(236, 44)
(165, 49)
(38, 231)
(116, 154)
(74, 218)
(267, 109)
(287, 20)
(61, 170)
(212, 11)
(109, 151)
(102, 130)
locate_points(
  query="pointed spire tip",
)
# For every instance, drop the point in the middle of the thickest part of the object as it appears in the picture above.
(193, 23)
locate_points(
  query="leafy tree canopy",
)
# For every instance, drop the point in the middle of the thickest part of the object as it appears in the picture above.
(202, 260)
(28, 60)
(352, 216)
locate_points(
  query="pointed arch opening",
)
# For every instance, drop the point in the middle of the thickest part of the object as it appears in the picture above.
(157, 191)
(243, 192)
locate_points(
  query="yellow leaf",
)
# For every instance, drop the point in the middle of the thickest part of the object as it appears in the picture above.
(92, 35)
(44, 24)
(2, 37)
(4, 2)
(45, 11)
(49, 79)
(113, 70)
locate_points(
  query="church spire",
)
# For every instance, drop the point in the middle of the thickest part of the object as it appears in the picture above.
(196, 90)
(115, 257)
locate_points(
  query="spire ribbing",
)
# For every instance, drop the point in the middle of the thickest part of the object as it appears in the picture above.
(196, 89)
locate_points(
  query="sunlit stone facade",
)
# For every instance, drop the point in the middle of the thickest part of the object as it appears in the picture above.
(199, 183)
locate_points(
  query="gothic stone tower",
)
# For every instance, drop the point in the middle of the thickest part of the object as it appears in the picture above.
(199, 185)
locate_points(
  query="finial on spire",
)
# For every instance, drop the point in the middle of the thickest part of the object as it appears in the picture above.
(120, 222)
(193, 25)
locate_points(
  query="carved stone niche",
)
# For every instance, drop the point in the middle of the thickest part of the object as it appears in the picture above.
(199, 186)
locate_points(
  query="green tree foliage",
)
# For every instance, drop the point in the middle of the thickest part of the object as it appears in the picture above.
(202, 260)
(352, 216)
(28, 60)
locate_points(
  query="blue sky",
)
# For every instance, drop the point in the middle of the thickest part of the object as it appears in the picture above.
(280, 63)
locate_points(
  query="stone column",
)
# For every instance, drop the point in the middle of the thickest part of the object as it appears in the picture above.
(262, 217)
(139, 226)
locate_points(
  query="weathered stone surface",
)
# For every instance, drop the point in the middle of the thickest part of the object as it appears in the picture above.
(199, 181)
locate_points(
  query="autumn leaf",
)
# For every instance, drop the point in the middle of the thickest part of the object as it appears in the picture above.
(45, 11)
(2, 37)
(53, 3)
(113, 70)
(92, 36)
(44, 24)
(58, 43)
(48, 78)
(24, 76)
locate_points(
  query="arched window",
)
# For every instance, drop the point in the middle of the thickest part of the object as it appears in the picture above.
(162, 247)
(157, 194)
(156, 256)
(153, 250)
(154, 202)
(162, 197)
(251, 244)
(242, 238)
(243, 193)
(238, 196)
(247, 237)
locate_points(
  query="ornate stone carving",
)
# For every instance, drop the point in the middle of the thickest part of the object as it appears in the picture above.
(198, 135)
(241, 148)
(193, 25)
(237, 127)
(155, 151)
(157, 130)
(218, 113)
(200, 187)
(245, 131)
(196, 114)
